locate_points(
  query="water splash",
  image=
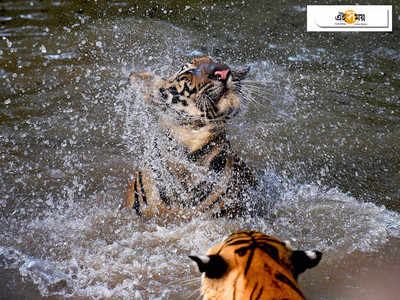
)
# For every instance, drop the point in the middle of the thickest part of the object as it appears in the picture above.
(63, 230)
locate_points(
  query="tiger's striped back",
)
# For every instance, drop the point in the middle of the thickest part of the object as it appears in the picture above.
(252, 265)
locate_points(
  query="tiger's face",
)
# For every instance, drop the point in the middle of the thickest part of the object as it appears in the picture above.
(196, 101)
(202, 90)
(251, 265)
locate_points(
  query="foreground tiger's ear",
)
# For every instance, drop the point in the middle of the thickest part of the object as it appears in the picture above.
(213, 266)
(303, 260)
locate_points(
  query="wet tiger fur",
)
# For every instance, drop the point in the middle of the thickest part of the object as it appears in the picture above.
(251, 265)
(198, 170)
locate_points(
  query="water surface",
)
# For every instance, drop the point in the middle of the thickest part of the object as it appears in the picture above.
(324, 140)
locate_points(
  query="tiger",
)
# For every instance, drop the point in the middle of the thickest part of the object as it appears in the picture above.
(252, 265)
(193, 168)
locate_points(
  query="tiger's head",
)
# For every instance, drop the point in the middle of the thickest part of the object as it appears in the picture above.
(203, 90)
(252, 265)
(196, 101)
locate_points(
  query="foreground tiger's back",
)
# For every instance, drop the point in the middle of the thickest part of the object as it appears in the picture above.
(252, 265)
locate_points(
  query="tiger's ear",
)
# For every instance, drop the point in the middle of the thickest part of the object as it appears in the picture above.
(200, 60)
(213, 266)
(303, 260)
(140, 76)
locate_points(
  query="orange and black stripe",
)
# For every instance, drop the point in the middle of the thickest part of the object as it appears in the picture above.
(265, 244)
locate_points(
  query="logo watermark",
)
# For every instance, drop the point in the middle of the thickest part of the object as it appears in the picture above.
(349, 18)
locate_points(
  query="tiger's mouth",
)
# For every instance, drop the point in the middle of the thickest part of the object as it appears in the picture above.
(212, 70)
(222, 81)
(217, 91)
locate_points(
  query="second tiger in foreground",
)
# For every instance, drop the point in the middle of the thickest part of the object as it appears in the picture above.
(252, 265)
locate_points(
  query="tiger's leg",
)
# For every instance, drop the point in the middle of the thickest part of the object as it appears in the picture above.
(137, 192)
(219, 189)
(235, 178)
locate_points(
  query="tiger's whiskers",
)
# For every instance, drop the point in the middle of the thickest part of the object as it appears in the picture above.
(189, 282)
(250, 89)
(194, 293)
(261, 90)
(186, 281)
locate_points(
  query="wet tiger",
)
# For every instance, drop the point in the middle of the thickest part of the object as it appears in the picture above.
(252, 265)
(193, 167)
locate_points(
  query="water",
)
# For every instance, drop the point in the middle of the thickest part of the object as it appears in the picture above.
(324, 141)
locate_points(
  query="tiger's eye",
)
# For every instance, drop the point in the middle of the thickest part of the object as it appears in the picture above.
(241, 251)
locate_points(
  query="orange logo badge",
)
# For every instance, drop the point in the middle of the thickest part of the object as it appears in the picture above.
(350, 16)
